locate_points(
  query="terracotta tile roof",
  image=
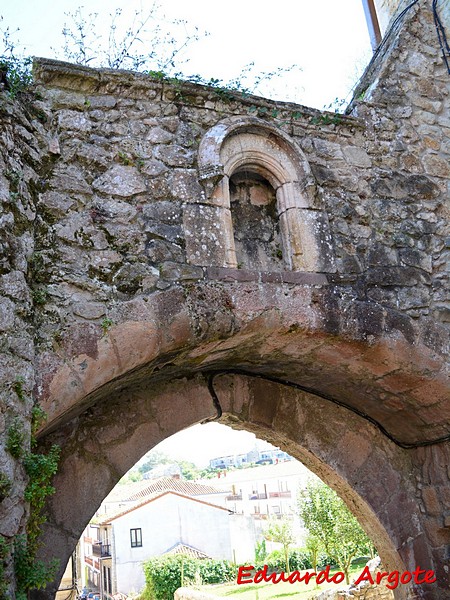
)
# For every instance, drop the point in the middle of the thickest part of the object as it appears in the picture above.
(186, 551)
(144, 489)
(164, 484)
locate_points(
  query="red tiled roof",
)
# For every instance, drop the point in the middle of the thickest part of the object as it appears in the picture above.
(186, 551)
(164, 484)
(139, 490)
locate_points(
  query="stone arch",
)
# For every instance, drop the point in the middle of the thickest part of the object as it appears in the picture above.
(88, 471)
(123, 392)
(239, 144)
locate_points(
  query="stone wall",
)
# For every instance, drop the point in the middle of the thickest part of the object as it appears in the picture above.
(23, 154)
(387, 10)
(363, 591)
(413, 104)
(117, 206)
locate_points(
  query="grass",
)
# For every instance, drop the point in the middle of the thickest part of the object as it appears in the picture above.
(264, 591)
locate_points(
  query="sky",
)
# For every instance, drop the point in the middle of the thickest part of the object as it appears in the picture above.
(200, 443)
(327, 39)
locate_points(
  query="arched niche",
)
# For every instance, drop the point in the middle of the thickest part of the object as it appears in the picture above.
(248, 149)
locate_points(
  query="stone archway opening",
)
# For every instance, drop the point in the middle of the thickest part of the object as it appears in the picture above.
(106, 568)
(237, 347)
(343, 450)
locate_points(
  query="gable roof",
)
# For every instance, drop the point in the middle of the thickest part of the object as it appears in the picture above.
(106, 519)
(140, 490)
(185, 550)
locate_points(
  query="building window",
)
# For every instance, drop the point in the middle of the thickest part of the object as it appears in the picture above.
(136, 538)
(107, 580)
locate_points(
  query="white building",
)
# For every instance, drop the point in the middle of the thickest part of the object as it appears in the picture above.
(151, 518)
(264, 492)
(223, 517)
(267, 456)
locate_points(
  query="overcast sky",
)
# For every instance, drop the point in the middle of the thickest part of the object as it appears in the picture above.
(327, 39)
(201, 442)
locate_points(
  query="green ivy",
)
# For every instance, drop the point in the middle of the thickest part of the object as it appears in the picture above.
(40, 469)
(40, 296)
(38, 418)
(4, 553)
(106, 324)
(5, 486)
(15, 439)
(18, 387)
(30, 573)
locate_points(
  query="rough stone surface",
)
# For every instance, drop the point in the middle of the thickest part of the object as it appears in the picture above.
(362, 591)
(117, 290)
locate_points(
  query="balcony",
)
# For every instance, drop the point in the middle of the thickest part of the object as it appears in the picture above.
(280, 494)
(262, 496)
(234, 497)
(101, 550)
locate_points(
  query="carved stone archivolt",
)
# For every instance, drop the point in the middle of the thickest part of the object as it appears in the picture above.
(243, 145)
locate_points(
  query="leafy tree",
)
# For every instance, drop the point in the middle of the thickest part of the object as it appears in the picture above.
(188, 469)
(260, 551)
(280, 531)
(208, 473)
(154, 459)
(313, 546)
(330, 522)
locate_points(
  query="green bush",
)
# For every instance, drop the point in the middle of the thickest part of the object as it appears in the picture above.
(13, 65)
(5, 487)
(164, 575)
(4, 554)
(216, 571)
(299, 560)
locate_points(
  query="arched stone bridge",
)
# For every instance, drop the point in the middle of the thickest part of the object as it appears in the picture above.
(193, 255)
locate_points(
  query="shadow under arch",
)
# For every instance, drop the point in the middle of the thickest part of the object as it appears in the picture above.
(123, 392)
(349, 455)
